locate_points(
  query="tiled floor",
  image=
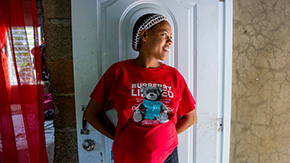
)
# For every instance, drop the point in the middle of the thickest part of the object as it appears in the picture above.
(20, 136)
(49, 136)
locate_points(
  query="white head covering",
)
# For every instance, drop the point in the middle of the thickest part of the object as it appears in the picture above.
(145, 22)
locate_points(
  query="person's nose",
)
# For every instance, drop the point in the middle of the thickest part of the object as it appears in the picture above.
(169, 41)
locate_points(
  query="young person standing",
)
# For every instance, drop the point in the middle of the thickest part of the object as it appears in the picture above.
(147, 95)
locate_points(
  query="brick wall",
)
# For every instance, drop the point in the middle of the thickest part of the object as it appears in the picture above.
(58, 38)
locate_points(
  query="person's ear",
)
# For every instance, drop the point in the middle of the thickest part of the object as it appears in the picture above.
(143, 35)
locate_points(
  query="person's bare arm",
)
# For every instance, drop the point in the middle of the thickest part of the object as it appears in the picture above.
(186, 121)
(94, 114)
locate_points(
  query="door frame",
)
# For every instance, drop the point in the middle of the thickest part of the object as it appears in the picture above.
(225, 50)
(226, 13)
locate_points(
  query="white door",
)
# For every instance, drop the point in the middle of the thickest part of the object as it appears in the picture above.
(201, 51)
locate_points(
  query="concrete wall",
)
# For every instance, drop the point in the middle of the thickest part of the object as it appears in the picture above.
(58, 38)
(261, 82)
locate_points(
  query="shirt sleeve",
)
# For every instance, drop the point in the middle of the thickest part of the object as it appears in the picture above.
(102, 93)
(187, 103)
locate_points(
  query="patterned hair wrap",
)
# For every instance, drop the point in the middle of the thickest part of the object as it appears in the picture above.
(144, 22)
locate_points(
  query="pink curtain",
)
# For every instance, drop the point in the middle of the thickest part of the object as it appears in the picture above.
(22, 136)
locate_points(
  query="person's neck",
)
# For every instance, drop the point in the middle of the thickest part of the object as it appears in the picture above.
(147, 62)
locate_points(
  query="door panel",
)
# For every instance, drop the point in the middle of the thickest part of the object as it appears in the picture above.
(102, 32)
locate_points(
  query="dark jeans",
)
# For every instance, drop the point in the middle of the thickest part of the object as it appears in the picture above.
(173, 157)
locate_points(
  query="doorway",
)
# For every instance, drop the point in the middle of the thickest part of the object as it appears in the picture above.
(201, 52)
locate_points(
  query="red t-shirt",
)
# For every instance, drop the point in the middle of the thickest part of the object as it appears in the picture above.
(147, 102)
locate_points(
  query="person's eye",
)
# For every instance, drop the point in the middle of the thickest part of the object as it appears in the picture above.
(163, 34)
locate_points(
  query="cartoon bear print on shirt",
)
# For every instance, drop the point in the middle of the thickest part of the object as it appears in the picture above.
(151, 108)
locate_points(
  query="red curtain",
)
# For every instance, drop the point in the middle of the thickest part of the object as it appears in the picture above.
(22, 137)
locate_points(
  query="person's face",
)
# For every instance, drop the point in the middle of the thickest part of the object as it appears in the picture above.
(158, 40)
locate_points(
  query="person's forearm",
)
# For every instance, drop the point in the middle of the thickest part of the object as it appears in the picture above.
(100, 124)
(185, 122)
